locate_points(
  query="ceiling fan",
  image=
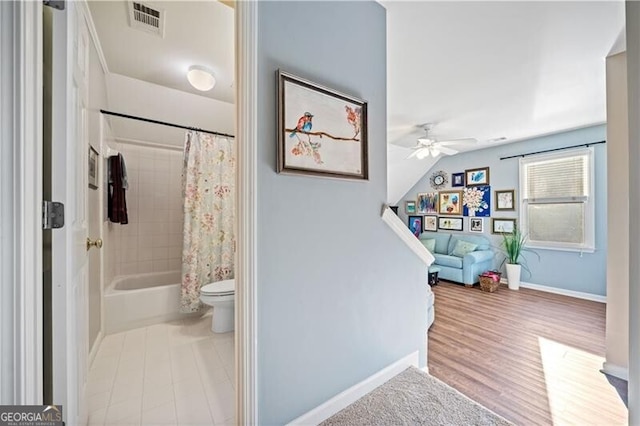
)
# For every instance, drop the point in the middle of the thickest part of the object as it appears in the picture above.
(428, 146)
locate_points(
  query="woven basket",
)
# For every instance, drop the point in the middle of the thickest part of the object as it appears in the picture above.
(488, 284)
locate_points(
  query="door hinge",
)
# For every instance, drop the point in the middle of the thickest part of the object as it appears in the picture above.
(52, 215)
(56, 4)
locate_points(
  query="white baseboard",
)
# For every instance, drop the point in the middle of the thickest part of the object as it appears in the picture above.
(555, 290)
(95, 347)
(355, 392)
(615, 370)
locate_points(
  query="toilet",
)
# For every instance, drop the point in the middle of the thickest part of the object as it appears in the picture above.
(221, 296)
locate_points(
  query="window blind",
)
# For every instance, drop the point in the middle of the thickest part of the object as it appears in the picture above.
(563, 178)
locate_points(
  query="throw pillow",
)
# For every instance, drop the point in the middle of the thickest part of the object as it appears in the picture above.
(429, 244)
(462, 248)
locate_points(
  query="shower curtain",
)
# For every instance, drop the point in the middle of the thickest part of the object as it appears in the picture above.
(208, 182)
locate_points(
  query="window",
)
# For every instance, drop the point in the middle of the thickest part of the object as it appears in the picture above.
(557, 200)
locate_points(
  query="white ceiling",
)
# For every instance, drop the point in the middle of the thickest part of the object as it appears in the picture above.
(494, 69)
(196, 33)
(475, 69)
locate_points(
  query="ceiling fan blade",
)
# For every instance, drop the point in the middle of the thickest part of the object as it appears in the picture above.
(413, 154)
(446, 151)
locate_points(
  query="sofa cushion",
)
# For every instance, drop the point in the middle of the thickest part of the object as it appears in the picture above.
(442, 242)
(430, 244)
(462, 248)
(446, 260)
(482, 243)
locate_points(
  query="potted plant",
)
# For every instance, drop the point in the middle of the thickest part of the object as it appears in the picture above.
(513, 245)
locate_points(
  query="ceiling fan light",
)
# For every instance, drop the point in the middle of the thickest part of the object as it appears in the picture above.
(434, 151)
(423, 153)
(201, 78)
(426, 141)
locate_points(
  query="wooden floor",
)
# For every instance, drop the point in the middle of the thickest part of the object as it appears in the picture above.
(532, 357)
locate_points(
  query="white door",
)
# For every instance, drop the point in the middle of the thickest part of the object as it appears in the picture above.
(69, 185)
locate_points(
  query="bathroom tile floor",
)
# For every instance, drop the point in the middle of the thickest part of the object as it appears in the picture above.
(177, 373)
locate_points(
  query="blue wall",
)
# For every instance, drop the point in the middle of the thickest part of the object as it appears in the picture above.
(339, 295)
(561, 269)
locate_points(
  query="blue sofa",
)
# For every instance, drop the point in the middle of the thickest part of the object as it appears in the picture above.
(459, 262)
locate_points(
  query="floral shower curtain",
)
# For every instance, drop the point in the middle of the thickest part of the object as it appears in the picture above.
(208, 182)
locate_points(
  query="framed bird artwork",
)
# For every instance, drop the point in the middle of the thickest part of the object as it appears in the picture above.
(321, 132)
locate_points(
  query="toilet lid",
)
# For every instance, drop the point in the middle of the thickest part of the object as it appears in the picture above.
(220, 288)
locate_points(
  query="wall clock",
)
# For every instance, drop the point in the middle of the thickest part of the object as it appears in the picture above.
(439, 179)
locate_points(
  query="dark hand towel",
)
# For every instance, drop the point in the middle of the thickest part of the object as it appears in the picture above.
(117, 202)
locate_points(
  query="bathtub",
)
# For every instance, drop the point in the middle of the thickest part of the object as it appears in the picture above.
(133, 301)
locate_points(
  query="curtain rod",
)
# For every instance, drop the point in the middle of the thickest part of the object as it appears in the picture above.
(164, 123)
(551, 150)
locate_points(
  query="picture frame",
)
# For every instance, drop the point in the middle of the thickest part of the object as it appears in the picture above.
(439, 179)
(476, 201)
(503, 225)
(505, 200)
(415, 225)
(476, 224)
(451, 223)
(427, 203)
(93, 168)
(450, 203)
(321, 132)
(476, 177)
(430, 223)
(457, 179)
(410, 207)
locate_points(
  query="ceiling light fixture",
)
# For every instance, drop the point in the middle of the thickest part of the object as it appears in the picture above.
(201, 78)
(424, 153)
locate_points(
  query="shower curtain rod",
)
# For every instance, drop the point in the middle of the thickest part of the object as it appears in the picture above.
(164, 123)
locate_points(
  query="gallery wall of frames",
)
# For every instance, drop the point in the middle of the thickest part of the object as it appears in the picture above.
(462, 174)
(461, 201)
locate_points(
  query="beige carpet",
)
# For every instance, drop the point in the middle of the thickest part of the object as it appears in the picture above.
(415, 398)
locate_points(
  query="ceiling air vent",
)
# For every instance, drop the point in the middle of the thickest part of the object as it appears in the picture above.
(147, 18)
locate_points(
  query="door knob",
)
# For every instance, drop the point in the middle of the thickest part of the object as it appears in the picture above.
(96, 243)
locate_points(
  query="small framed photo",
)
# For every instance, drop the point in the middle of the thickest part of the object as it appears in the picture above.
(427, 202)
(450, 223)
(476, 224)
(450, 203)
(505, 200)
(410, 207)
(475, 177)
(457, 179)
(431, 223)
(415, 225)
(503, 225)
(93, 168)
(321, 132)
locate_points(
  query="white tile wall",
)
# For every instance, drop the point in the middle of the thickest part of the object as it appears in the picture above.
(152, 240)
